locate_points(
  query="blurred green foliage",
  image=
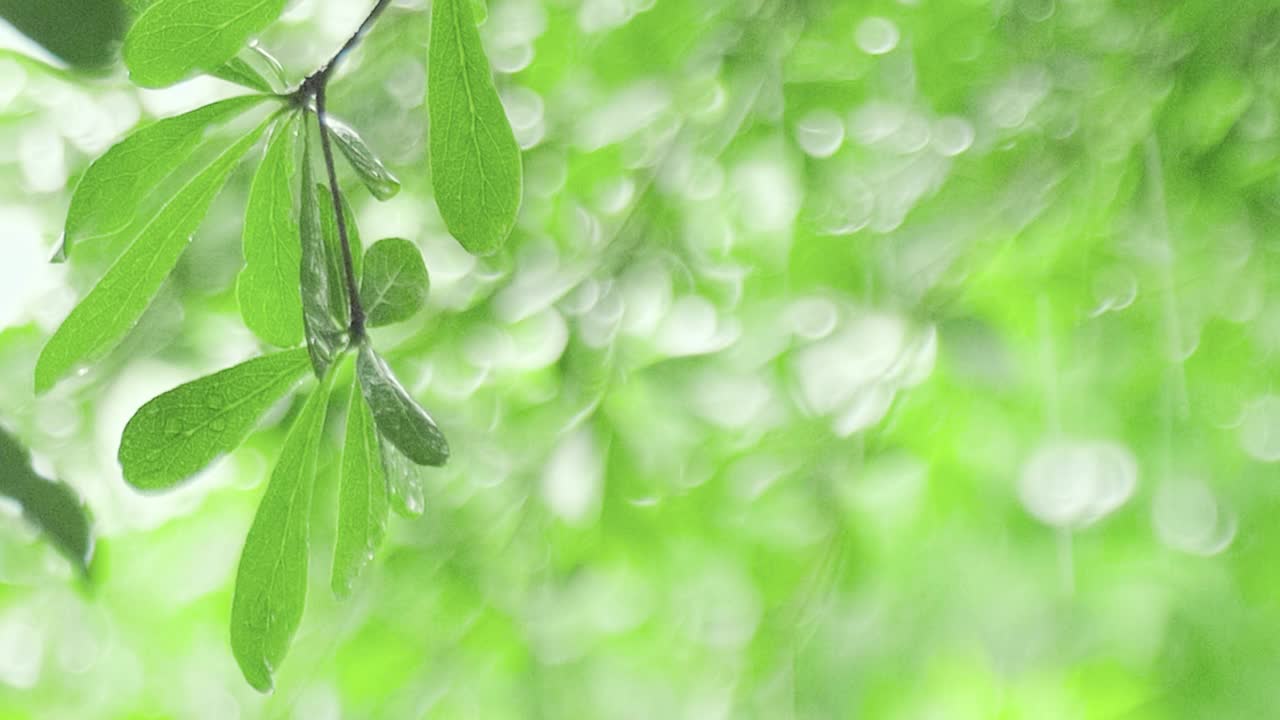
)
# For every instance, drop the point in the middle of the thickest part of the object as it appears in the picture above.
(960, 405)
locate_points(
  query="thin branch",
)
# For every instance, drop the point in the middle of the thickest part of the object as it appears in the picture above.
(313, 88)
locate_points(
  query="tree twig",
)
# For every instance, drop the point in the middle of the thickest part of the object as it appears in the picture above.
(314, 87)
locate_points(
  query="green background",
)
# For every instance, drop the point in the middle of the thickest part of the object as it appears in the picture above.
(849, 360)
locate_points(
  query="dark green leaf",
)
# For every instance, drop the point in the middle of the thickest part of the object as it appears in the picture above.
(50, 506)
(325, 333)
(85, 33)
(399, 417)
(405, 480)
(362, 499)
(271, 584)
(174, 39)
(475, 161)
(110, 195)
(339, 305)
(268, 284)
(113, 307)
(373, 173)
(180, 432)
(395, 282)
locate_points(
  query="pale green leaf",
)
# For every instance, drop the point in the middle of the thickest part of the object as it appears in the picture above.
(179, 433)
(400, 419)
(362, 498)
(271, 583)
(254, 68)
(475, 161)
(174, 39)
(373, 173)
(405, 480)
(110, 195)
(268, 286)
(339, 305)
(116, 303)
(325, 332)
(51, 506)
(395, 282)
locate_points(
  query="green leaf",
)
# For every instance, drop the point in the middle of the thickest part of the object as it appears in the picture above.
(271, 584)
(395, 282)
(85, 33)
(255, 69)
(399, 417)
(110, 195)
(50, 506)
(405, 480)
(116, 303)
(268, 284)
(475, 161)
(174, 39)
(325, 332)
(375, 175)
(339, 305)
(179, 433)
(362, 498)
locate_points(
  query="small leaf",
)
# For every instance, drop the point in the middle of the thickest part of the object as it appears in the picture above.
(395, 282)
(325, 333)
(268, 284)
(405, 480)
(116, 303)
(271, 583)
(362, 499)
(339, 304)
(375, 175)
(399, 417)
(174, 39)
(475, 161)
(50, 506)
(179, 433)
(110, 195)
(241, 73)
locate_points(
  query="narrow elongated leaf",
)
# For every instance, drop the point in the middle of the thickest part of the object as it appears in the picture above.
(475, 161)
(373, 173)
(338, 303)
(174, 39)
(271, 583)
(405, 480)
(180, 432)
(268, 284)
(114, 305)
(110, 195)
(400, 419)
(395, 282)
(362, 498)
(50, 506)
(241, 73)
(324, 331)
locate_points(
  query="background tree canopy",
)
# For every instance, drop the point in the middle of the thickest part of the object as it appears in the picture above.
(888, 359)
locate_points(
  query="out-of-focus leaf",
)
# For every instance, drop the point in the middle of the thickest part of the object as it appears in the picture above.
(51, 506)
(271, 583)
(362, 498)
(268, 286)
(111, 193)
(325, 333)
(114, 306)
(373, 173)
(476, 168)
(174, 39)
(179, 433)
(85, 33)
(400, 419)
(395, 282)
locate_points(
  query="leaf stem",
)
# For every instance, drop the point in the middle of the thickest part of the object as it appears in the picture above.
(314, 87)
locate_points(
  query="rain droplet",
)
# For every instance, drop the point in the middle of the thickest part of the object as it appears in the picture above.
(1187, 517)
(1260, 428)
(876, 36)
(820, 133)
(1074, 484)
(952, 135)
